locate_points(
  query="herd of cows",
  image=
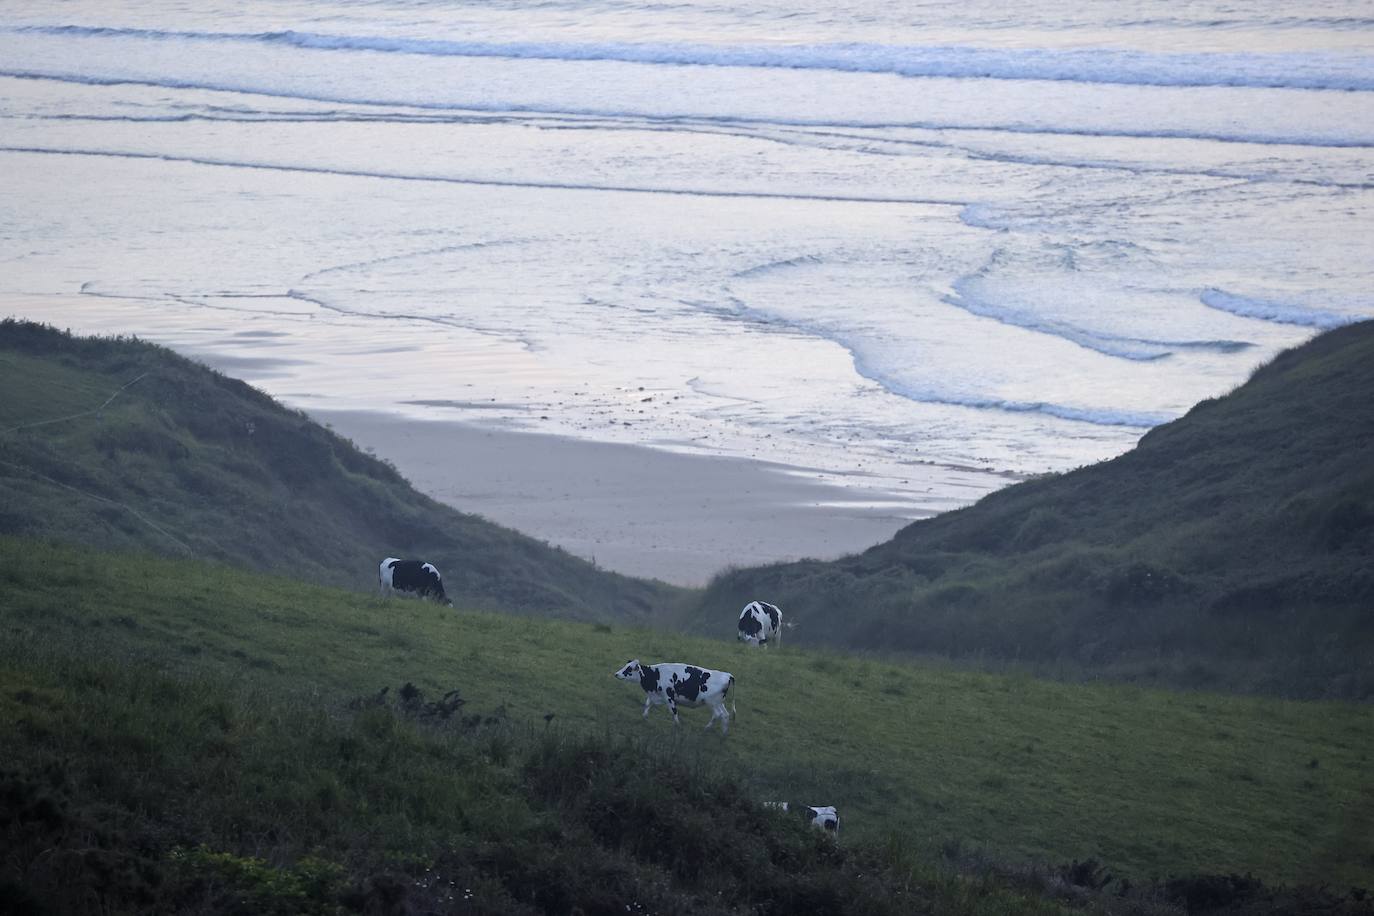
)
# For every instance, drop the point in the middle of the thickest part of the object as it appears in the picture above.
(665, 684)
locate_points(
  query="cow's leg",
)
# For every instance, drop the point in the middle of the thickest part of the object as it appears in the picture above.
(648, 704)
(672, 708)
(724, 717)
(715, 713)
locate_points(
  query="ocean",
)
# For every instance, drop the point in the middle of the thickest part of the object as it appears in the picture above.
(923, 248)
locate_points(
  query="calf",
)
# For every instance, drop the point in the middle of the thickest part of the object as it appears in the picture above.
(760, 622)
(415, 577)
(672, 683)
(822, 817)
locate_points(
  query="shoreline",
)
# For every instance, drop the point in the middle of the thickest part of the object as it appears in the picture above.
(632, 509)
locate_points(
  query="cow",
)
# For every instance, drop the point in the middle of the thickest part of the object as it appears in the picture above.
(822, 817)
(760, 622)
(672, 683)
(414, 577)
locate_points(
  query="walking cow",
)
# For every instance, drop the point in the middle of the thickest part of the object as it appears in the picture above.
(415, 577)
(760, 622)
(672, 683)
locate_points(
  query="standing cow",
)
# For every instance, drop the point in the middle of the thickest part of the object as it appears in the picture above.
(672, 683)
(760, 622)
(415, 577)
(822, 817)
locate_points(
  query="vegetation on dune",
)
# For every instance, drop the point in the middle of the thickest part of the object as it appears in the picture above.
(1232, 548)
(123, 444)
(921, 762)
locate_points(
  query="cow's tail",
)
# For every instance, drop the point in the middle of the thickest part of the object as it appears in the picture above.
(733, 711)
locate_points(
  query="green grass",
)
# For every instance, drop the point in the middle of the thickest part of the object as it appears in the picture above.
(125, 789)
(1152, 783)
(180, 738)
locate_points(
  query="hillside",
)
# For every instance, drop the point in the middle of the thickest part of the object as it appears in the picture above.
(176, 740)
(1233, 547)
(123, 444)
(231, 709)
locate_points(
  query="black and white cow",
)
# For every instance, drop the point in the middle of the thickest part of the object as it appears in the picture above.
(414, 577)
(822, 817)
(760, 622)
(673, 683)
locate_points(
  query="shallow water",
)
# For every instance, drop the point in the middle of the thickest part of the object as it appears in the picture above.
(937, 247)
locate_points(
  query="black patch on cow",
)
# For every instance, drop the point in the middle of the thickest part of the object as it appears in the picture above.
(830, 824)
(772, 613)
(648, 678)
(691, 686)
(411, 576)
(749, 623)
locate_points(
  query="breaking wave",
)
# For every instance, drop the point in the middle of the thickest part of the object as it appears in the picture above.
(1280, 312)
(1097, 416)
(1278, 70)
(1140, 349)
(872, 368)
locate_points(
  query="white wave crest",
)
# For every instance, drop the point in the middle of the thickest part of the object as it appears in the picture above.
(1283, 70)
(967, 297)
(1280, 312)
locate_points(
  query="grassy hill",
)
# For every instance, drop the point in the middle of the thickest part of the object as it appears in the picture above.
(123, 444)
(1233, 547)
(209, 731)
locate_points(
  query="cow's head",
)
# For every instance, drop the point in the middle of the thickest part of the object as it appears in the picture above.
(630, 672)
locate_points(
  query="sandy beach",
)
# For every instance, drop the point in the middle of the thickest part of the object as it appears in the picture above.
(636, 510)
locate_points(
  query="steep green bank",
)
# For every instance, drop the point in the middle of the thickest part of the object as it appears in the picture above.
(126, 790)
(123, 444)
(917, 759)
(1233, 547)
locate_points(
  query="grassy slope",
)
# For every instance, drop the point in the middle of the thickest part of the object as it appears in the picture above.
(1234, 546)
(1154, 783)
(126, 790)
(187, 461)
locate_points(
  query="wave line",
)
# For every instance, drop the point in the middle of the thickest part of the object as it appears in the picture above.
(1332, 71)
(485, 182)
(689, 118)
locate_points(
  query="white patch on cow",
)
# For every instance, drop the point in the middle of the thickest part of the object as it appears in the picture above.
(385, 572)
(824, 817)
(673, 683)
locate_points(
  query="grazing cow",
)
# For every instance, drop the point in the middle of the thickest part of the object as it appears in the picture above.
(414, 577)
(760, 622)
(672, 683)
(822, 817)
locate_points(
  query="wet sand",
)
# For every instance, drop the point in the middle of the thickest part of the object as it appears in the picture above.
(632, 509)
